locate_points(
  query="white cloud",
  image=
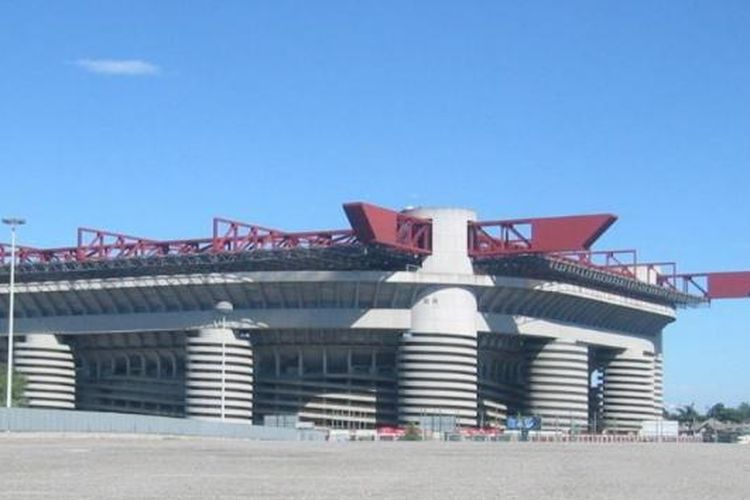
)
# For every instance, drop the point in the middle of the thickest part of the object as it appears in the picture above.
(119, 67)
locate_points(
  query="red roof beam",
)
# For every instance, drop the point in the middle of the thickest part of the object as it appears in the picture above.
(543, 235)
(40, 255)
(623, 262)
(185, 247)
(5, 252)
(100, 244)
(724, 285)
(235, 236)
(731, 285)
(381, 226)
(142, 248)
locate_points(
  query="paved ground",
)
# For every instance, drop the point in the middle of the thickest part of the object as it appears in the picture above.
(85, 467)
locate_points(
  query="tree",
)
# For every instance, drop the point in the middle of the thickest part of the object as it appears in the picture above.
(728, 414)
(688, 416)
(19, 384)
(717, 411)
(687, 413)
(744, 411)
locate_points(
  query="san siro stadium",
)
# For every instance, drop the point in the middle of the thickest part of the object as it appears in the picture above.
(405, 314)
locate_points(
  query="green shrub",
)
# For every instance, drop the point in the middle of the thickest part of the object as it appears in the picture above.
(412, 433)
(19, 384)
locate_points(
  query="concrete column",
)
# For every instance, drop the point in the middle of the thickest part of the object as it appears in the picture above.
(49, 370)
(450, 233)
(437, 359)
(219, 376)
(558, 384)
(629, 391)
(658, 387)
(437, 362)
(658, 378)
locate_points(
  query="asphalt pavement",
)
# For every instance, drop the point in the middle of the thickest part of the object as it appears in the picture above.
(119, 467)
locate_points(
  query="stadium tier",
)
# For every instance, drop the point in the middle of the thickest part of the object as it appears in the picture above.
(423, 313)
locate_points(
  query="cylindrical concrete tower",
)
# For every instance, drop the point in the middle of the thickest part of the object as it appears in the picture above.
(628, 387)
(558, 383)
(658, 380)
(450, 234)
(49, 370)
(218, 376)
(658, 388)
(437, 362)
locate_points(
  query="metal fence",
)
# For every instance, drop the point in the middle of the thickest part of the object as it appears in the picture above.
(37, 420)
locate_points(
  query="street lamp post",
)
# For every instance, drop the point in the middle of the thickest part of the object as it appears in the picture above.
(13, 222)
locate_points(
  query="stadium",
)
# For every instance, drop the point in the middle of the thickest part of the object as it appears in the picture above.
(405, 315)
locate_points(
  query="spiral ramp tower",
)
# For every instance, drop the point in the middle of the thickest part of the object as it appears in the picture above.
(658, 387)
(437, 363)
(558, 383)
(629, 390)
(658, 378)
(437, 359)
(218, 376)
(49, 371)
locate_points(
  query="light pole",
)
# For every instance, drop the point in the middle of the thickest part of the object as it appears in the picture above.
(13, 222)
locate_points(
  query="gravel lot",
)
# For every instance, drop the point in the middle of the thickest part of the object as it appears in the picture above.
(102, 467)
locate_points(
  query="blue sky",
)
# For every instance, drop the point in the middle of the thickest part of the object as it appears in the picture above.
(152, 117)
